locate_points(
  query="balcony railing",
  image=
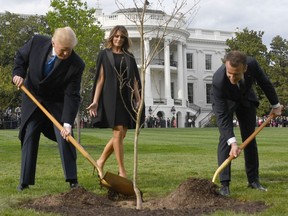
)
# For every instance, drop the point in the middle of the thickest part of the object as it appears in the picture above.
(159, 62)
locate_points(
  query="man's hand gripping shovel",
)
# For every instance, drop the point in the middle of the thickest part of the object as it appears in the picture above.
(111, 181)
(242, 146)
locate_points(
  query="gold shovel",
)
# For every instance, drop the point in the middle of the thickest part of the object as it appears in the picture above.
(242, 146)
(110, 180)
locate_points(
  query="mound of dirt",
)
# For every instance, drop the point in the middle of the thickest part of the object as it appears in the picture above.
(193, 197)
(194, 193)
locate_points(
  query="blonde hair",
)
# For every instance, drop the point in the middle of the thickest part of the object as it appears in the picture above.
(65, 36)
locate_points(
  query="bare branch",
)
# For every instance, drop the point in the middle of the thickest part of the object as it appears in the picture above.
(156, 26)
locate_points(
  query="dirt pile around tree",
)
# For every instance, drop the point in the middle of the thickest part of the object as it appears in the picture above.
(193, 197)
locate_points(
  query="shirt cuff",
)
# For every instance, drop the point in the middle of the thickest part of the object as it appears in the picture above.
(231, 140)
(276, 106)
(67, 125)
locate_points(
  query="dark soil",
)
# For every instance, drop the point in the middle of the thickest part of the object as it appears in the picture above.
(193, 197)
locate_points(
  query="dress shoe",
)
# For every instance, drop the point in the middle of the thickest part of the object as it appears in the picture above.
(224, 190)
(74, 185)
(22, 187)
(257, 185)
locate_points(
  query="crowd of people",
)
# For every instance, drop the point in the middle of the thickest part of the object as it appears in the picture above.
(279, 121)
(160, 122)
(11, 118)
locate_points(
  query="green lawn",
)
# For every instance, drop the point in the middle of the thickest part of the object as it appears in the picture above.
(167, 157)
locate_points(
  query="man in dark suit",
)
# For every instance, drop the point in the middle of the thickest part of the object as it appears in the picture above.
(232, 93)
(57, 89)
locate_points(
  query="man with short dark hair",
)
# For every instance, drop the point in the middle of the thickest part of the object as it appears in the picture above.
(232, 93)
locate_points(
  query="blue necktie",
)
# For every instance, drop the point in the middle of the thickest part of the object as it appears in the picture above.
(49, 66)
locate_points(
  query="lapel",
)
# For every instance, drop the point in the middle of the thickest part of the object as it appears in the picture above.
(110, 57)
(60, 69)
(127, 59)
(43, 57)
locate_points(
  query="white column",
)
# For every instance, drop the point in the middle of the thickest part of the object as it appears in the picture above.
(185, 94)
(180, 72)
(167, 75)
(148, 90)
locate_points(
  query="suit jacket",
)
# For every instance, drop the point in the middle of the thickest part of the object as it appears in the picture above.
(59, 92)
(107, 101)
(226, 96)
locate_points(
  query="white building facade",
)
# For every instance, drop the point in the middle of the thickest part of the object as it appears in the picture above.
(178, 78)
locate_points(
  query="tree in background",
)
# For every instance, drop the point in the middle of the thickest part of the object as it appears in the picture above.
(9, 98)
(250, 42)
(279, 67)
(15, 30)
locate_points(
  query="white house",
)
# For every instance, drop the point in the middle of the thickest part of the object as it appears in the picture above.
(178, 79)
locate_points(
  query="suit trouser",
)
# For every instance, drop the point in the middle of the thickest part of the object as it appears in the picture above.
(246, 116)
(35, 125)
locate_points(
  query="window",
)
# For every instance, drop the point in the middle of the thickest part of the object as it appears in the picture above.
(189, 57)
(208, 62)
(190, 93)
(172, 90)
(208, 93)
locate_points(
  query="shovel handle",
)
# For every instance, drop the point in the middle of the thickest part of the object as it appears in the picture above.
(60, 127)
(242, 146)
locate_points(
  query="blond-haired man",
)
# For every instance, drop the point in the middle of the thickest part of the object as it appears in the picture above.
(54, 78)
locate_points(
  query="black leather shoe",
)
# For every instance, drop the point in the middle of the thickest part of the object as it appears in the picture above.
(74, 185)
(224, 191)
(22, 187)
(257, 185)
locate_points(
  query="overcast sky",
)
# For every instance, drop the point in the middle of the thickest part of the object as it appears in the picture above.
(270, 16)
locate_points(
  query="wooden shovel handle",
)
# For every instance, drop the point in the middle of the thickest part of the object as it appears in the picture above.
(60, 127)
(242, 146)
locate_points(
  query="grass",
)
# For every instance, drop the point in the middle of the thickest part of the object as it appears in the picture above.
(167, 157)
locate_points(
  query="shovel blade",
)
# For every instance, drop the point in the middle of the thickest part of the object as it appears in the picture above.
(118, 184)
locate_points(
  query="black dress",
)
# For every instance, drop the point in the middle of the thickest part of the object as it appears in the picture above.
(115, 105)
(122, 116)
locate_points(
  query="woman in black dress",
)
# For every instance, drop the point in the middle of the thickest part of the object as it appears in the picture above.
(116, 94)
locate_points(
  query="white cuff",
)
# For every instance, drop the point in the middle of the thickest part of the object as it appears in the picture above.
(276, 106)
(67, 125)
(231, 140)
